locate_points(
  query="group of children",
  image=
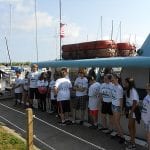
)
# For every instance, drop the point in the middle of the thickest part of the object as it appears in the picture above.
(105, 99)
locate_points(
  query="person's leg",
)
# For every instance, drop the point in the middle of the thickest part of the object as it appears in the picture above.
(31, 97)
(44, 102)
(148, 139)
(132, 129)
(95, 117)
(82, 107)
(61, 113)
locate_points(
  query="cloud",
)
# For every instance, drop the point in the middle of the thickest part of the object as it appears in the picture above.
(28, 22)
(72, 30)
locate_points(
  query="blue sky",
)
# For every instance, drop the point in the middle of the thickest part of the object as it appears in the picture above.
(82, 19)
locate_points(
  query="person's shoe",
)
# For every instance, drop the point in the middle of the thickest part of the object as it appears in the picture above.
(117, 136)
(103, 129)
(131, 146)
(93, 127)
(121, 140)
(61, 123)
(81, 123)
(68, 122)
(109, 131)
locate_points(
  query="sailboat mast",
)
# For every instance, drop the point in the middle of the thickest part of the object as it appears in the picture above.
(60, 28)
(36, 41)
(101, 28)
(8, 51)
(112, 30)
(120, 31)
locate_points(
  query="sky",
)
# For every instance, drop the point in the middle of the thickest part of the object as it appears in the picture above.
(82, 19)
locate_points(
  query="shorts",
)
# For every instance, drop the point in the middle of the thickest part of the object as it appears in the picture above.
(18, 96)
(64, 106)
(147, 126)
(106, 108)
(33, 93)
(54, 102)
(93, 113)
(116, 108)
(79, 103)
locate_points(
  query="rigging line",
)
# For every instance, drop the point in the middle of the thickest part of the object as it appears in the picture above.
(36, 40)
(8, 51)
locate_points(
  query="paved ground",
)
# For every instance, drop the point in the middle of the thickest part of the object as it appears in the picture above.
(54, 136)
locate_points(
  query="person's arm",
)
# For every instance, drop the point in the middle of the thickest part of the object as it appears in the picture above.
(133, 106)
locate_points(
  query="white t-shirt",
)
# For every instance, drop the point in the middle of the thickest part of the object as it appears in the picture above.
(63, 85)
(51, 86)
(42, 83)
(146, 110)
(94, 96)
(33, 78)
(25, 83)
(18, 81)
(105, 90)
(81, 83)
(117, 94)
(133, 96)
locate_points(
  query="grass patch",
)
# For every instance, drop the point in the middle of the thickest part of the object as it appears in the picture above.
(10, 142)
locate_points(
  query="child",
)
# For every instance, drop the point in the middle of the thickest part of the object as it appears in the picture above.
(25, 85)
(18, 88)
(93, 101)
(80, 86)
(42, 84)
(132, 100)
(146, 114)
(52, 95)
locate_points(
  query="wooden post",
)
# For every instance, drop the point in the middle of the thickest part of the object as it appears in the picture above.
(29, 115)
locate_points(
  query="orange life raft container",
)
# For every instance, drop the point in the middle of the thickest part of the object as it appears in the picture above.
(93, 49)
(126, 49)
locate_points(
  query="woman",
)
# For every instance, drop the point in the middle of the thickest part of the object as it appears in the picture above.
(42, 89)
(117, 103)
(132, 100)
(146, 113)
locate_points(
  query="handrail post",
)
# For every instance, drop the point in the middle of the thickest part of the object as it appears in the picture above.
(29, 116)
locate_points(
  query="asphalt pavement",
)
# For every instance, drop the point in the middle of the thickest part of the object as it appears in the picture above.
(50, 135)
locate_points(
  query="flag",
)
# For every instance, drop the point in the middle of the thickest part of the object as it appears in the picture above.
(62, 30)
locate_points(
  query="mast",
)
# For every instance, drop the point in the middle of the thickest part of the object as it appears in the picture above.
(8, 51)
(120, 30)
(111, 31)
(101, 28)
(36, 42)
(60, 28)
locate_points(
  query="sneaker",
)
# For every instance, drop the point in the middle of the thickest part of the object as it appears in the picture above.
(115, 136)
(73, 122)
(103, 129)
(121, 140)
(131, 146)
(108, 131)
(62, 123)
(81, 123)
(93, 127)
(68, 122)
